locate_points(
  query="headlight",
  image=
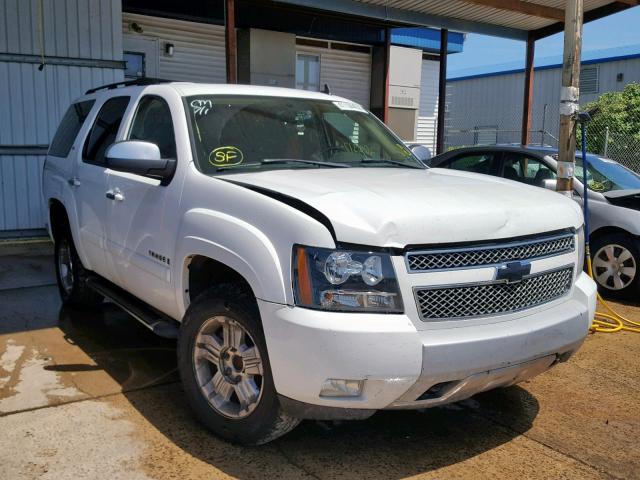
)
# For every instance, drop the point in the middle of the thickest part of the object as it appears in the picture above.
(580, 249)
(343, 280)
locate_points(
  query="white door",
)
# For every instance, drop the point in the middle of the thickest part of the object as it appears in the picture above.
(90, 183)
(141, 219)
(141, 55)
(346, 69)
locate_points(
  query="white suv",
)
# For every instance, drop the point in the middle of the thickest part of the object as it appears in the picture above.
(309, 264)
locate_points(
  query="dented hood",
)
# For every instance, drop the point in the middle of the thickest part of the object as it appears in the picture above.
(395, 207)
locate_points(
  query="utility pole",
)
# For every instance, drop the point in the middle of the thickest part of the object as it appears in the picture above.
(569, 95)
(442, 90)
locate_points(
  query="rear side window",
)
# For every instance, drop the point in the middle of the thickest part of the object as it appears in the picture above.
(152, 123)
(104, 130)
(69, 127)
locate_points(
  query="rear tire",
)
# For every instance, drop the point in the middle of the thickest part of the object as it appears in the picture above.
(224, 366)
(71, 275)
(616, 265)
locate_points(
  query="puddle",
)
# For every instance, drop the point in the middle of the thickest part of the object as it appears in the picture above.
(35, 386)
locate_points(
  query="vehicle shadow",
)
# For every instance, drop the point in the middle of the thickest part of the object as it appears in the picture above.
(391, 444)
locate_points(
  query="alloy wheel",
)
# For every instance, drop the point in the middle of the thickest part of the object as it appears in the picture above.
(614, 267)
(228, 367)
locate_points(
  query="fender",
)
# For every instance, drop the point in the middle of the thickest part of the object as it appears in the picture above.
(259, 262)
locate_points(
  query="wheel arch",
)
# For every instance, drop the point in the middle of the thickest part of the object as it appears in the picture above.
(610, 230)
(203, 272)
(58, 217)
(207, 264)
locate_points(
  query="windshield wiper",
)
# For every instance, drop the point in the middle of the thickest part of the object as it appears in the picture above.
(392, 162)
(310, 162)
(269, 161)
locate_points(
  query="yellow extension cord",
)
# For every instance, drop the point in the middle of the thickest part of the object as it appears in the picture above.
(609, 322)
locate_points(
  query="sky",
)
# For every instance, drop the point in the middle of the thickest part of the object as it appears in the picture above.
(617, 30)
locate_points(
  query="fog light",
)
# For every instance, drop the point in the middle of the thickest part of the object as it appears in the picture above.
(336, 387)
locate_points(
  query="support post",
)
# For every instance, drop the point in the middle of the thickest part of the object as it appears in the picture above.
(387, 66)
(442, 89)
(569, 95)
(230, 41)
(528, 91)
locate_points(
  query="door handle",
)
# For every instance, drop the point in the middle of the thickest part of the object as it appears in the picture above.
(74, 182)
(115, 195)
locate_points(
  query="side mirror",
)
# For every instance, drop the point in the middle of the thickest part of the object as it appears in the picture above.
(140, 158)
(421, 152)
(550, 184)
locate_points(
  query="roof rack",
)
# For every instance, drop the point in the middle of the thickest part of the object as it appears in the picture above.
(128, 83)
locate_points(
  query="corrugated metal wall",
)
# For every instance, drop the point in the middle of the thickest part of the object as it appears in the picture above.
(347, 73)
(497, 101)
(33, 102)
(199, 53)
(428, 112)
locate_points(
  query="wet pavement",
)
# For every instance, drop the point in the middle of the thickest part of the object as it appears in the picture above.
(96, 395)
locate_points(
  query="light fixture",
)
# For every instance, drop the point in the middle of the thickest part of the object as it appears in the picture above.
(135, 27)
(168, 49)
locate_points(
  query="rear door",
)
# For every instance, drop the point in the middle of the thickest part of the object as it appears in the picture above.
(90, 180)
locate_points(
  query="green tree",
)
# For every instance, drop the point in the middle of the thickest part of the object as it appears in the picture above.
(620, 112)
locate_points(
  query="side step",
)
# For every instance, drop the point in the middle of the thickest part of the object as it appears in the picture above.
(155, 321)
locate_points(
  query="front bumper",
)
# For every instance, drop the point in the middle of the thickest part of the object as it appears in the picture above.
(408, 367)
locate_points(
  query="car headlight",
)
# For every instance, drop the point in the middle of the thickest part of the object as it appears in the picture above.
(580, 249)
(342, 280)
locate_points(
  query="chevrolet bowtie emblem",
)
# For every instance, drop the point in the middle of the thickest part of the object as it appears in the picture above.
(513, 272)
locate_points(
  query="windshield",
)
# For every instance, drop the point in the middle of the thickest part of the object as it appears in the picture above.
(246, 133)
(604, 175)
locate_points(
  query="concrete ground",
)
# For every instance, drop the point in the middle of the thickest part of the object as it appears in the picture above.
(97, 396)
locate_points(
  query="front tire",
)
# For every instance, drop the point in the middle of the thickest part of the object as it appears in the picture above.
(616, 265)
(223, 363)
(71, 275)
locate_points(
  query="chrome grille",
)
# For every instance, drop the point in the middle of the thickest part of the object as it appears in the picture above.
(492, 298)
(463, 257)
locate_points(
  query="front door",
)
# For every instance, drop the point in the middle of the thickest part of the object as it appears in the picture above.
(142, 218)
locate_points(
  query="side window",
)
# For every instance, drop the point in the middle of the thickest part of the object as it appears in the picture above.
(478, 163)
(526, 170)
(69, 127)
(152, 123)
(104, 130)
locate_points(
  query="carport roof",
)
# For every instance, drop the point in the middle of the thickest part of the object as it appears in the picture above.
(504, 18)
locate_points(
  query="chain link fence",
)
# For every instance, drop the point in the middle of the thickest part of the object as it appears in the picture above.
(617, 139)
(609, 142)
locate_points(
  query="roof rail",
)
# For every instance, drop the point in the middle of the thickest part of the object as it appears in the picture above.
(127, 83)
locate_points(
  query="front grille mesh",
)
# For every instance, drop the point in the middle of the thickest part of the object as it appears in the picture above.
(460, 258)
(492, 298)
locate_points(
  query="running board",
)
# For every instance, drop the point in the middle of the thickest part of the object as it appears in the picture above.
(157, 322)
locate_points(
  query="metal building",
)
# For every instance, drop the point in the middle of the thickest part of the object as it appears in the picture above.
(53, 51)
(484, 105)
(81, 42)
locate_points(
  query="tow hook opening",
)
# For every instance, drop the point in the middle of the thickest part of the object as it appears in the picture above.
(562, 357)
(438, 390)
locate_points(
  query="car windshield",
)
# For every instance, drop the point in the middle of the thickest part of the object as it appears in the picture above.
(241, 133)
(604, 175)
